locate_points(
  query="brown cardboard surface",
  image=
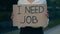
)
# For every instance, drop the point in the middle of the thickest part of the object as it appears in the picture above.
(20, 12)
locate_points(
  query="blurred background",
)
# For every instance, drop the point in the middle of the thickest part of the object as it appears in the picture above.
(6, 11)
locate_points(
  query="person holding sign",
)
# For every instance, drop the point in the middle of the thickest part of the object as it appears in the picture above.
(37, 29)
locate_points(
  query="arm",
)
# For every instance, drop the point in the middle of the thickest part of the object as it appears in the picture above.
(45, 2)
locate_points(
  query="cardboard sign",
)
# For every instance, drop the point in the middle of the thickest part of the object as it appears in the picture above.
(30, 15)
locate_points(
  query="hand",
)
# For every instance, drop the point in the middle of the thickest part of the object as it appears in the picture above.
(12, 16)
(46, 14)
